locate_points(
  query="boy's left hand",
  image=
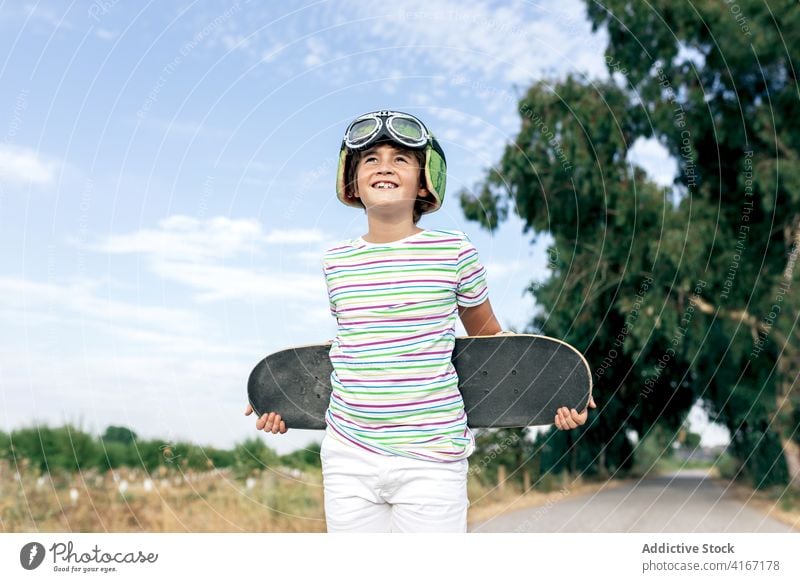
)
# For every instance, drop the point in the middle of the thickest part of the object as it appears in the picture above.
(567, 419)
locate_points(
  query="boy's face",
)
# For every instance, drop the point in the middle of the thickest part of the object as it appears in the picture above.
(388, 179)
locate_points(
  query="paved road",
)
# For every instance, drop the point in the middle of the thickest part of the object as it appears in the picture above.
(682, 502)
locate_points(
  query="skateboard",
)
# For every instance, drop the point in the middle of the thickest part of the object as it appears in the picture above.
(513, 380)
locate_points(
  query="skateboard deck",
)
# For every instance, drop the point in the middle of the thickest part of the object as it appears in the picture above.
(506, 381)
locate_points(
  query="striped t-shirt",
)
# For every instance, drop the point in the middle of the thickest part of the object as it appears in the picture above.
(394, 387)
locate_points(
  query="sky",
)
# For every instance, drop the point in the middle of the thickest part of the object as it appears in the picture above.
(167, 183)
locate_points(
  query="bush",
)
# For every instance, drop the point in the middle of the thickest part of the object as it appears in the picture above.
(151, 454)
(5, 446)
(652, 449)
(220, 458)
(69, 449)
(119, 434)
(303, 459)
(253, 456)
(54, 449)
(764, 464)
(727, 466)
(114, 455)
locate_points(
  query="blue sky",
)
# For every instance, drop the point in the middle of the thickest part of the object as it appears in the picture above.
(167, 185)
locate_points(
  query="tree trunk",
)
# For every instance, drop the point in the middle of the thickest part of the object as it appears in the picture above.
(602, 463)
(783, 419)
(788, 365)
(791, 451)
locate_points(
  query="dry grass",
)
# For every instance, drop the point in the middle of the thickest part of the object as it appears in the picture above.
(171, 501)
(780, 504)
(274, 501)
(487, 502)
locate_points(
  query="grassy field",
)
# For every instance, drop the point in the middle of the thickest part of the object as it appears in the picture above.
(279, 500)
(170, 501)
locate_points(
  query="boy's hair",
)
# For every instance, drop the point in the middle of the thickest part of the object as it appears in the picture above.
(419, 205)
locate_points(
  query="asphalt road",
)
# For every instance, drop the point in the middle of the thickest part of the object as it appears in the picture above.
(682, 502)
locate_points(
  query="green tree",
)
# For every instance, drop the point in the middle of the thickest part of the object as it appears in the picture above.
(252, 456)
(114, 455)
(732, 73)
(307, 457)
(671, 295)
(566, 175)
(55, 449)
(151, 454)
(494, 447)
(117, 448)
(220, 458)
(119, 434)
(691, 440)
(5, 445)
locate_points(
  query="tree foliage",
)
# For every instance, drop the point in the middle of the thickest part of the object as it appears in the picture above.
(681, 294)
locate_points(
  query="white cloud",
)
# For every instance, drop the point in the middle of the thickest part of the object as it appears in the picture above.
(47, 15)
(711, 433)
(168, 397)
(295, 236)
(76, 356)
(495, 44)
(217, 282)
(162, 393)
(502, 269)
(25, 166)
(235, 41)
(105, 34)
(208, 256)
(509, 43)
(270, 54)
(190, 239)
(316, 52)
(79, 303)
(655, 159)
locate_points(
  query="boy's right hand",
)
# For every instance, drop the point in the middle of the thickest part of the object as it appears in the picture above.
(269, 422)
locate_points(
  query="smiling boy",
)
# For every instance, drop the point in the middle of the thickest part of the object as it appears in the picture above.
(394, 456)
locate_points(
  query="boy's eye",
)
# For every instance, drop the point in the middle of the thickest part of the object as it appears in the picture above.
(397, 159)
(401, 158)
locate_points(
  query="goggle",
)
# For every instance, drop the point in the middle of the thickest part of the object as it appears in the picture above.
(402, 128)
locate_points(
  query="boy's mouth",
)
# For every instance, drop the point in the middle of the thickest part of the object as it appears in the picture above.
(384, 185)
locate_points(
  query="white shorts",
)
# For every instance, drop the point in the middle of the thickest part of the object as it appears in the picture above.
(370, 492)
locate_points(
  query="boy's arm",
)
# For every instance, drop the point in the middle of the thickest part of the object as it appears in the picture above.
(479, 320)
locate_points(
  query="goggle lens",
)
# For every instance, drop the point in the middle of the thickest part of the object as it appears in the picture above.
(362, 130)
(407, 128)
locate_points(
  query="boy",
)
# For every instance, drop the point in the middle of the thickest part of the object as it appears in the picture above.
(394, 456)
